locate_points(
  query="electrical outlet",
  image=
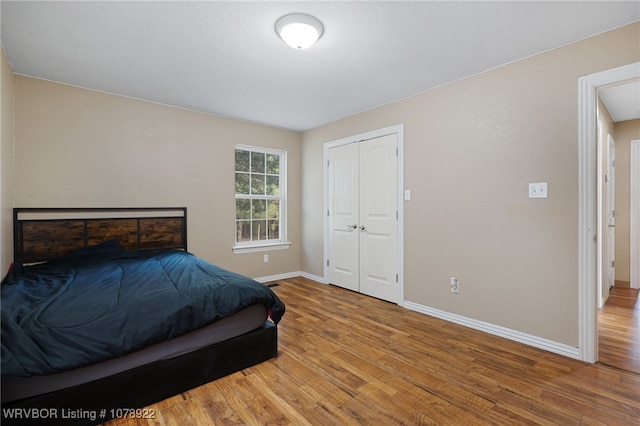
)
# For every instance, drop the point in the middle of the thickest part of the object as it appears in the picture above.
(266, 258)
(455, 285)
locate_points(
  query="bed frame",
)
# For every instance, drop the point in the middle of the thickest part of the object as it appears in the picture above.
(41, 234)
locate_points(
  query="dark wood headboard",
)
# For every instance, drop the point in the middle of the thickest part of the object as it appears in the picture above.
(41, 234)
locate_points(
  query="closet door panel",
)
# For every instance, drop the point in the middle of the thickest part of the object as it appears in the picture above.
(378, 217)
(343, 217)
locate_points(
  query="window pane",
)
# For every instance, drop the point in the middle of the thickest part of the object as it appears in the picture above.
(273, 164)
(257, 177)
(257, 184)
(242, 160)
(242, 183)
(257, 162)
(273, 209)
(259, 230)
(258, 209)
(243, 209)
(273, 230)
(273, 185)
(243, 231)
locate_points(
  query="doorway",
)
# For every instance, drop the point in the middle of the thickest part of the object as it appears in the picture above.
(363, 224)
(589, 232)
(618, 309)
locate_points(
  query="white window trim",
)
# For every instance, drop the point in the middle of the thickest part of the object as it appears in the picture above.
(282, 243)
(253, 248)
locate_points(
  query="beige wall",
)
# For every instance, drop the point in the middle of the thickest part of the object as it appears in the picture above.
(471, 148)
(623, 133)
(7, 93)
(81, 148)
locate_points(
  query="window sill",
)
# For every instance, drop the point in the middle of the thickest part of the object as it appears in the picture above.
(260, 247)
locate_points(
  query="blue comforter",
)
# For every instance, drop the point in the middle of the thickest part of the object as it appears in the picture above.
(95, 305)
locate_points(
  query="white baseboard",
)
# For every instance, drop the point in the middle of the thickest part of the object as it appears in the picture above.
(290, 275)
(277, 277)
(312, 277)
(497, 330)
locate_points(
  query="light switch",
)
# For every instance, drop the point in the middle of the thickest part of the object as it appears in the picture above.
(538, 190)
(407, 194)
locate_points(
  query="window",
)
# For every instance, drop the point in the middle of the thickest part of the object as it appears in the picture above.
(260, 199)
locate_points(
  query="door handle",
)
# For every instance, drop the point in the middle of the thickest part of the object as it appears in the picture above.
(352, 227)
(363, 228)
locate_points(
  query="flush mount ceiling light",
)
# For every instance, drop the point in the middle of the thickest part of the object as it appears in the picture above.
(299, 30)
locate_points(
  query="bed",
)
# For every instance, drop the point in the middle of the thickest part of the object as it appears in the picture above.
(105, 311)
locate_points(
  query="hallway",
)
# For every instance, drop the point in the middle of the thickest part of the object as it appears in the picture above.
(619, 330)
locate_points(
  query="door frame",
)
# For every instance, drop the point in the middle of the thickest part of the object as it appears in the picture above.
(606, 203)
(635, 214)
(398, 130)
(609, 209)
(601, 255)
(587, 210)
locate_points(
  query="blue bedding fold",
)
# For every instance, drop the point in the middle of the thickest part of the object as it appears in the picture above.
(90, 307)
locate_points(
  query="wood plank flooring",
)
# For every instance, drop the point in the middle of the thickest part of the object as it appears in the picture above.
(619, 330)
(348, 359)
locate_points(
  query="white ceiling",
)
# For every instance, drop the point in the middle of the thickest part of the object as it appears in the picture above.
(622, 101)
(225, 58)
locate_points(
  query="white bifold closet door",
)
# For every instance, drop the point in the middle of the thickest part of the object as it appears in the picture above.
(363, 217)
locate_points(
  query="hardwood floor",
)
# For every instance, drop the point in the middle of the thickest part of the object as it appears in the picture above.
(619, 330)
(347, 359)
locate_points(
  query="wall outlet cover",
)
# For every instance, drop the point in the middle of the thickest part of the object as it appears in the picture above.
(538, 190)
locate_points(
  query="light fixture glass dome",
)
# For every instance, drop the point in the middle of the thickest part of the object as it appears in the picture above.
(299, 30)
